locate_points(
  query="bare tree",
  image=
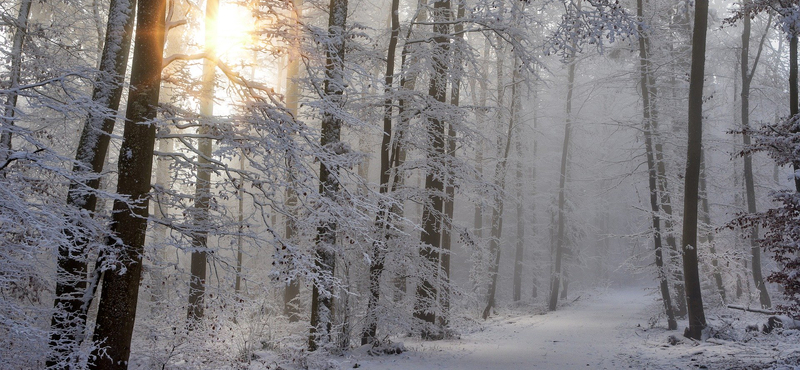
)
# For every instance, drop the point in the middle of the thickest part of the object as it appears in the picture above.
(123, 263)
(694, 299)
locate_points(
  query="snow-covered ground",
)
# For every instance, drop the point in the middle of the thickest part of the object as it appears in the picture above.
(602, 330)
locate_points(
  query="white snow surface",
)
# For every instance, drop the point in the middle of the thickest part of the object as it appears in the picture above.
(606, 329)
(601, 329)
(584, 335)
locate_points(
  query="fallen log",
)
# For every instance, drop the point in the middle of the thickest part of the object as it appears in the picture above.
(750, 309)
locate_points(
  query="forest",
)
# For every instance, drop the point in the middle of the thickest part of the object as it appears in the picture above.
(399, 184)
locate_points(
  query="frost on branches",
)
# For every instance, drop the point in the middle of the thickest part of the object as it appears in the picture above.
(782, 223)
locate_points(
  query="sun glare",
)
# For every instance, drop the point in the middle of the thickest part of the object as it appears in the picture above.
(234, 31)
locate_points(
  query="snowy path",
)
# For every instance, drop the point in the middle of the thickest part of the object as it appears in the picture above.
(586, 335)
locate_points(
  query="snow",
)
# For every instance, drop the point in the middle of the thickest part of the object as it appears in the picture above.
(605, 329)
(580, 336)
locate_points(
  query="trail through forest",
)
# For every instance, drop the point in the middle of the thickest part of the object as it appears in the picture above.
(608, 329)
(587, 334)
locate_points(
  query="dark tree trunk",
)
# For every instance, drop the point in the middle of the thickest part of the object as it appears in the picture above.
(647, 108)
(116, 313)
(383, 217)
(450, 190)
(694, 299)
(72, 296)
(322, 294)
(747, 78)
(793, 108)
(202, 196)
(425, 305)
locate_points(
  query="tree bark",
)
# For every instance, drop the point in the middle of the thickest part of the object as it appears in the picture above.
(322, 293)
(647, 107)
(747, 78)
(520, 247)
(708, 233)
(72, 297)
(384, 217)
(425, 305)
(202, 196)
(793, 108)
(560, 237)
(694, 299)
(497, 212)
(117, 309)
(292, 288)
(7, 120)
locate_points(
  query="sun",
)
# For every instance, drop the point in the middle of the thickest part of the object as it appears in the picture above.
(234, 29)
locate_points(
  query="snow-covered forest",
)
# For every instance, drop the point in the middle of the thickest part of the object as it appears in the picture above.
(399, 184)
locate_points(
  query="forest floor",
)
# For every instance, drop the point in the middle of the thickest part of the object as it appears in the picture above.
(608, 329)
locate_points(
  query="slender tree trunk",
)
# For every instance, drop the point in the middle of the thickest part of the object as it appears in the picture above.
(72, 296)
(7, 120)
(237, 287)
(202, 197)
(384, 218)
(425, 305)
(322, 293)
(747, 77)
(708, 232)
(535, 277)
(694, 299)
(450, 190)
(647, 106)
(292, 289)
(408, 82)
(560, 237)
(793, 108)
(497, 214)
(520, 250)
(117, 309)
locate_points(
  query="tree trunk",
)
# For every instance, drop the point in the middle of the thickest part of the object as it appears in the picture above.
(520, 250)
(793, 108)
(202, 197)
(708, 233)
(556, 278)
(535, 278)
(117, 309)
(7, 120)
(322, 293)
(384, 218)
(450, 190)
(497, 212)
(292, 289)
(425, 305)
(647, 106)
(72, 295)
(694, 299)
(747, 78)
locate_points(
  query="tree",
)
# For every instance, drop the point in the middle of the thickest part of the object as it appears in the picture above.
(694, 299)
(561, 226)
(72, 297)
(122, 262)
(197, 280)
(322, 294)
(385, 215)
(647, 107)
(15, 73)
(747, 77)
(431, 238)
